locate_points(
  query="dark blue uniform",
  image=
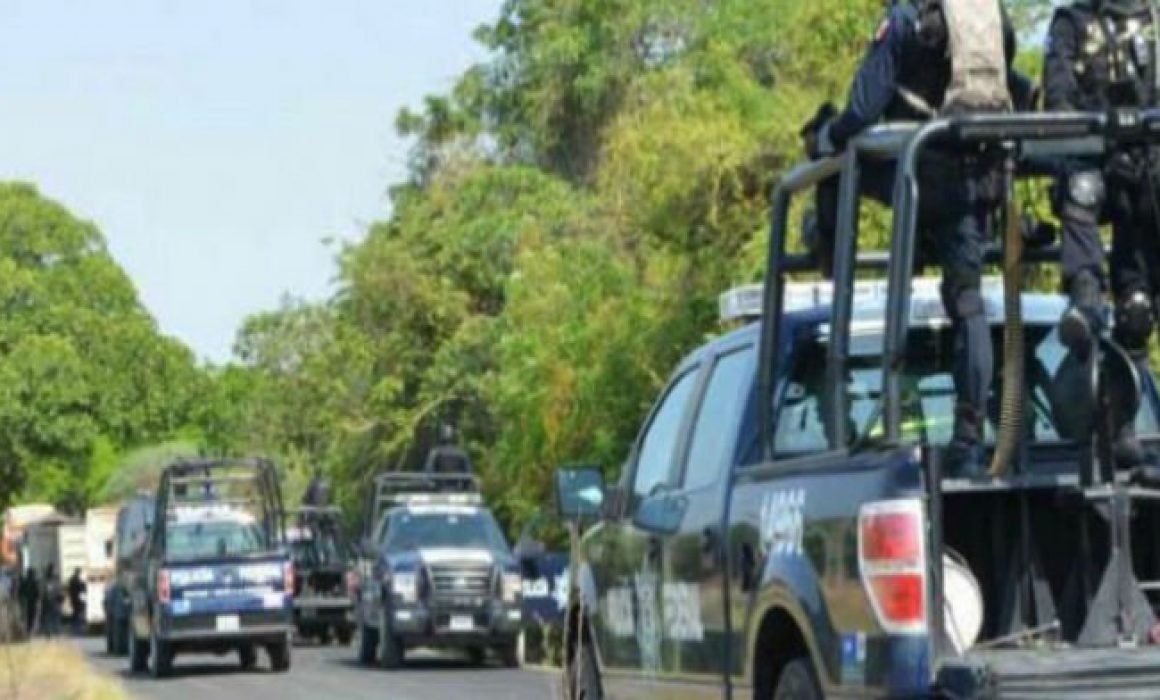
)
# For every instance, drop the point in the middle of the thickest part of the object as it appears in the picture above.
(1101, 55)
(1093, 66)
(903, 77)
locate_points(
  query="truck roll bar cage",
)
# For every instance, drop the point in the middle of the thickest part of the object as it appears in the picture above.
(242, 483)
(1039, 143)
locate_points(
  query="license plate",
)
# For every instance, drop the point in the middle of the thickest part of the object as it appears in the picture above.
(462, 623)
(228, 623)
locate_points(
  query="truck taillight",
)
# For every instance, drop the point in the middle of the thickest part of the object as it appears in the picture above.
(164, 593)
(288, 578)
(892, 559)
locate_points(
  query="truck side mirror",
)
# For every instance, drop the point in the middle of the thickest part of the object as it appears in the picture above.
(580, 493)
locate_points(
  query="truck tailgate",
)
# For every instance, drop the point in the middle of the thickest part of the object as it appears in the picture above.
(1055, 673)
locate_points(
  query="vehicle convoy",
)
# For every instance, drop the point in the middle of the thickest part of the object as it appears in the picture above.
(322, 605)
(784, 528)
(216, 575)
(435, 571)
(131, 534)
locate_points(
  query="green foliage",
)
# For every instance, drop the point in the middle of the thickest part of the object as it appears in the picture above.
(84, 371)
(577, 202)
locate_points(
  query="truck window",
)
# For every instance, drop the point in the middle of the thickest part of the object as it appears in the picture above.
(212, 538)
(445, 530)
(928, 392)
(717, 418)
(654, 464)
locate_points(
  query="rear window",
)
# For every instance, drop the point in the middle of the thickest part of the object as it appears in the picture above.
(928, 395)
(213, 538)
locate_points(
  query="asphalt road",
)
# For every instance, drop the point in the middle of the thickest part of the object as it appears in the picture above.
(322, 673)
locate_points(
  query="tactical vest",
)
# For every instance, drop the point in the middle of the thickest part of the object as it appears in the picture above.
(958, 63)
(1116, 61)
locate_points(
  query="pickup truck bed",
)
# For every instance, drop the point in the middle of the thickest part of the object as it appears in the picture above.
(1057, 673)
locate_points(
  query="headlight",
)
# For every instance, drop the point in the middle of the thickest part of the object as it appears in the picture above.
(513, 585)
(405, 586)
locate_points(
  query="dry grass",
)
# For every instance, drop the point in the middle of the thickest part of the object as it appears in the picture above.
(52, 671)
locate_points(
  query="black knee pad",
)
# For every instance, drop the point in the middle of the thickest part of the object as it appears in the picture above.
(1135, 319)
(1080, 197)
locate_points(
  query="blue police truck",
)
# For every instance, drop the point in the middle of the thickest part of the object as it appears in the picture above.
(783, 526)
(217, 576)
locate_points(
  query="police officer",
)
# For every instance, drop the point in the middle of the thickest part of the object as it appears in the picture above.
(905, 76)
(447, 457)
(1101, 55)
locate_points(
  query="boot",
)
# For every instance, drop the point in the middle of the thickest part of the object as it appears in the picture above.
(1084, 319)
(966, 458)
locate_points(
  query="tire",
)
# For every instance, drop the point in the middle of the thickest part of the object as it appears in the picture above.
(477, 656)
(324, 636)
(583, 677)
(160, 657)
(797, 682)
(343, 634)
(508, 654)
(138, 653)
(279, 656)
(247, 657)
(368, 644)
(390, 647)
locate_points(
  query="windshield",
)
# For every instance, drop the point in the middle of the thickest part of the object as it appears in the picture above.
(467, 530)
(928, 397)
(213, 538)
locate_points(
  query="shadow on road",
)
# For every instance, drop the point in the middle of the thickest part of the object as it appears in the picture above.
(195, 670)
(436, 664)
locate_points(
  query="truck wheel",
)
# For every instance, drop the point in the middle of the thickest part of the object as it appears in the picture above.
(160, 657)
(279, 656)
(138, 653)
(508, 654)
(343, 635)
(368, 644)
(247, 656)
(476, 655)
(797, 682)
(583, 678)
(324, 636)
(390, 647)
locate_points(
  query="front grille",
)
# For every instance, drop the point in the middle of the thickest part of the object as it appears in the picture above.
(457, 581)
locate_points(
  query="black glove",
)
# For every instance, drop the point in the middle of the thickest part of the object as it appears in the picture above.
(816, 132)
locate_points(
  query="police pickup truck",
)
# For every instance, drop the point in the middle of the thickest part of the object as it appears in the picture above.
(322, 606)
(217, 577)
(784, 528)
(436, 571)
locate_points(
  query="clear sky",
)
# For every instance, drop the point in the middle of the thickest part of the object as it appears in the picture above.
(216, 143)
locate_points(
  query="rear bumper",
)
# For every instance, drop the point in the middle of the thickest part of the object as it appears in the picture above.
(266, 626)
(310, 612)
(1054, 673)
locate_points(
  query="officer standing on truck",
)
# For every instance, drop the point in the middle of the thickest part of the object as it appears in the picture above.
(447, 457)
(1101, 55)
(908, 74)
